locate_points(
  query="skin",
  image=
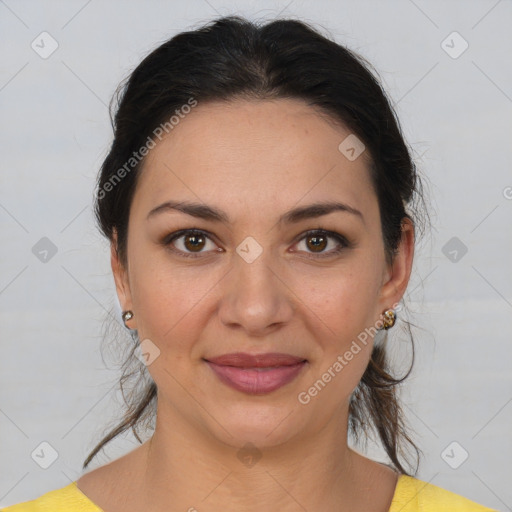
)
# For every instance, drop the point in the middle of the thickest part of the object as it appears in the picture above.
(255, 160)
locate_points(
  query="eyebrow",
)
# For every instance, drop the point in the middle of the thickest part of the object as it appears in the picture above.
(205, 212)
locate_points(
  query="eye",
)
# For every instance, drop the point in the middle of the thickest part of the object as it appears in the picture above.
(190, 242)
(317, 241)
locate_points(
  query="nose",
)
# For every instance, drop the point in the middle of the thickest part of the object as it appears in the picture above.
(256, 298)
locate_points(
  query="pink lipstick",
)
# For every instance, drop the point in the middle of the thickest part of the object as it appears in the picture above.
(256, 374)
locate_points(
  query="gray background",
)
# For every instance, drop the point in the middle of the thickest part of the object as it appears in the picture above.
(456, 114)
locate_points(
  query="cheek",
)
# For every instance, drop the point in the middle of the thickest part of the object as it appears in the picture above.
(171, 301)
(345, 301)
(348, 322)
(346, 307)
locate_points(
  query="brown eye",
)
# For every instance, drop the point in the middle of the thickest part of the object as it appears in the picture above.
(317, 243)
(194, 242)
(190, 243)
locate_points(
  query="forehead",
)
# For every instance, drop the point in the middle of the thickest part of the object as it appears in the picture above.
(256, 156)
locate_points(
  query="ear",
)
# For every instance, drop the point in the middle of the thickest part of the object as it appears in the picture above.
(121, 280)
(399, 271)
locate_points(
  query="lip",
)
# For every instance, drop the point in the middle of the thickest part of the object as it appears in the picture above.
(243, 360)
(256, 374)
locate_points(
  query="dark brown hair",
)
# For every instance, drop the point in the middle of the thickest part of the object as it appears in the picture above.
(231, 58)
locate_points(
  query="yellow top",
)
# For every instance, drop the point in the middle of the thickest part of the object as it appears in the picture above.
(411, 495)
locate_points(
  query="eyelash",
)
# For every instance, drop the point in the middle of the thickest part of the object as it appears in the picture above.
(342, 241)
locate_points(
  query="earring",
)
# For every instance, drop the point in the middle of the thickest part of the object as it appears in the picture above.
(389, 319)
(127, 315)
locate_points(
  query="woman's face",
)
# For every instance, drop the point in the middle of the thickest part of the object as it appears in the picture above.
(252, 280)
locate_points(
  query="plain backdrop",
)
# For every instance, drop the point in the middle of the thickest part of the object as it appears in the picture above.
(446, 67)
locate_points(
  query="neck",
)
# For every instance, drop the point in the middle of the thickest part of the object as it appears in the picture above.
(188, 470)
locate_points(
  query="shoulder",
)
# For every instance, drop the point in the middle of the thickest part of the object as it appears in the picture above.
(413, 495)
(65, 499)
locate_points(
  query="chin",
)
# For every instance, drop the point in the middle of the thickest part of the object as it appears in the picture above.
(261, 424)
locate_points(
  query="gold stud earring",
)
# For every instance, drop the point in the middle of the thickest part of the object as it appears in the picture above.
(389, 319)
(127, 315)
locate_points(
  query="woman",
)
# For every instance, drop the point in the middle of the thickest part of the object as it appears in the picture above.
(259, 200)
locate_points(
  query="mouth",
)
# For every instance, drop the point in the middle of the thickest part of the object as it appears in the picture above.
(256, 374)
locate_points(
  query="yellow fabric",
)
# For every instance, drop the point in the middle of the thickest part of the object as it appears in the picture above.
(66, 499)
(411, 495)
